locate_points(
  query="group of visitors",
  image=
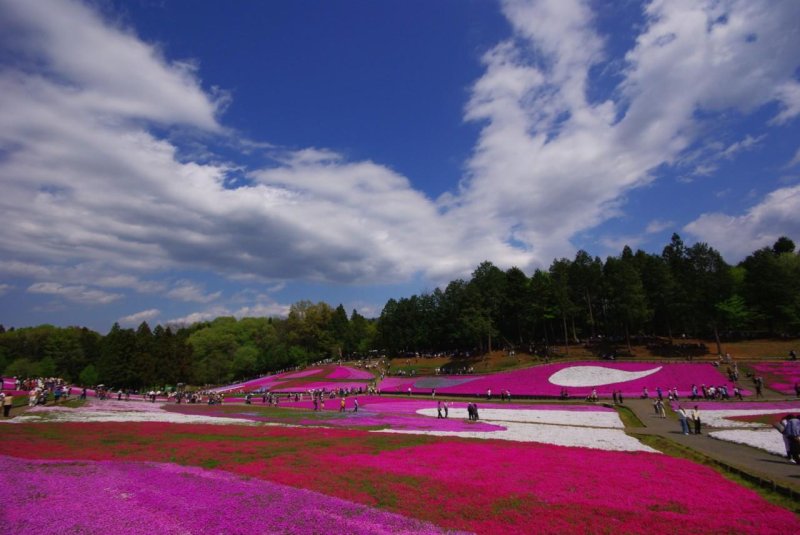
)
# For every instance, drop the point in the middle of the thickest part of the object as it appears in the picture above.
(442, 409)
(472, 411)
(684, 418)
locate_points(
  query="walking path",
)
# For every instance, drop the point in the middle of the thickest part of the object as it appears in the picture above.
(765, 468)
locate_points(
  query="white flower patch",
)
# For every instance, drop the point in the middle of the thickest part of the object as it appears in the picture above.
(768, 440)
(126, 416)
(118, 411)
(607, 419)
(581, 376)
(559, 435)
(721, 418)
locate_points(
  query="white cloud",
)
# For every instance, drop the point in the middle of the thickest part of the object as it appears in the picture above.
(138, 317)
(550, 163)
(788, 94)
(5, 288)
(188, 291)
(795, 160)
(90, 189)
(775, 216)
(655, 226)
(77, 294)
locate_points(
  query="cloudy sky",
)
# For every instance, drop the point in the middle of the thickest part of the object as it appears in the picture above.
(174, 160)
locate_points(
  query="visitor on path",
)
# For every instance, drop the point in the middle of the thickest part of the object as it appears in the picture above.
(792, 432)
(787, 443)
(446, 408)
(645, 393)
(682, 418)
(614, 397)
(355, 405)
(8, 401)
(341, 405)
(660, 411)
(439, 409)
(696, 419)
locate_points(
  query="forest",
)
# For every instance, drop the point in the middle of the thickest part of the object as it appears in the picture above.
(683, 291)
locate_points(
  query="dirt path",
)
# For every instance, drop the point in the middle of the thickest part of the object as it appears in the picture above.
(766, 468)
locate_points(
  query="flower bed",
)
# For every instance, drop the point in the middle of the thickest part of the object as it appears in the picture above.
(485, 487)
(321, 385)
(768, 440)
(579, 378)
(328, 377)
(346, 372)
(780, 376)
(144, 498)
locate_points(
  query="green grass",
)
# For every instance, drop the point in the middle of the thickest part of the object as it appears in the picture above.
(628, 417)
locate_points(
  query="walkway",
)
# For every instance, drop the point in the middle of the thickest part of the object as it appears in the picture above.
(770, 469)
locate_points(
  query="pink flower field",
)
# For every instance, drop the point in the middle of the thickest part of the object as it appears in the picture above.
(171, 478)
(780, 376)
(579, 378)
(328, 377)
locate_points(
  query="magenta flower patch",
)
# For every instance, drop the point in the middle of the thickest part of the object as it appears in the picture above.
(549, 380)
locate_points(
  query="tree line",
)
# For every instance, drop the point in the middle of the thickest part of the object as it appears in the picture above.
(684, 290)
(204, 353)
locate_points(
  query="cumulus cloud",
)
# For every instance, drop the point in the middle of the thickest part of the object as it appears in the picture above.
(138, 317)
(549, 163)
(265, 308)
(761, 225)
(96, 195)
(5, 288)
(186, 290)
(78, 294)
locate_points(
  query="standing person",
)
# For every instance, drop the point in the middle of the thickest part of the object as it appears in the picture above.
(682, 418)
(614, 395)
(355, 405)
(8, 400)
(446, 408)
(438, 409)
(660, 409)
(475, 411)
(787, 443)
(696, 419)
(792, 432)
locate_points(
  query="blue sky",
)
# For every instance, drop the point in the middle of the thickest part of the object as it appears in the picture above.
(172, 161)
